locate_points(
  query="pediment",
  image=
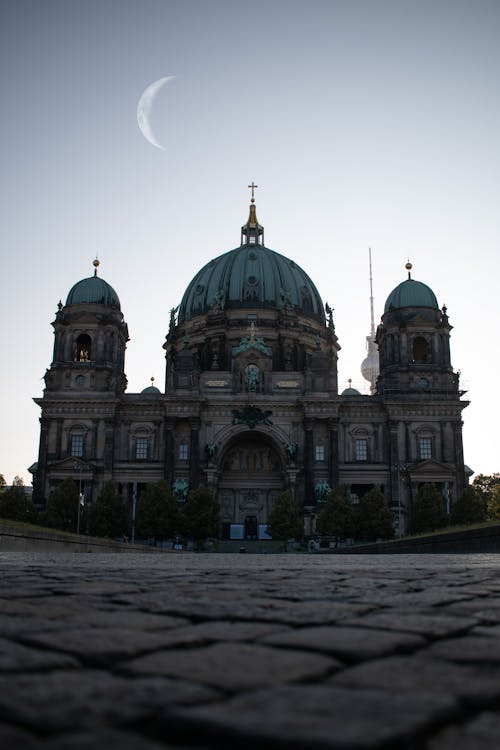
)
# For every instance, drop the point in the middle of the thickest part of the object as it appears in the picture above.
(430, 470)
(72, 466)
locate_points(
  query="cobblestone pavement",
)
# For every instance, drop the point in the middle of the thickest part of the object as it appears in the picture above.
(142, 652)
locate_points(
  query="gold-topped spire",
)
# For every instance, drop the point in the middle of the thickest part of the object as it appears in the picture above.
(408, 267)
(96, 265)
(252, 187)
(252, 233)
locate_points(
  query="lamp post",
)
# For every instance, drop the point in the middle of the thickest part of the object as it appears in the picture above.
(81, 500)
(134, 508)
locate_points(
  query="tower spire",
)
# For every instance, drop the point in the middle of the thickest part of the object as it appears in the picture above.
(370, 365)
(372, 329)
(252, 233)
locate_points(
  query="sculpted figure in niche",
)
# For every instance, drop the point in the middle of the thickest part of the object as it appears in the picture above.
(252, 378)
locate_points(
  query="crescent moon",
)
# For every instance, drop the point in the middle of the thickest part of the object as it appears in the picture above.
(144, 109)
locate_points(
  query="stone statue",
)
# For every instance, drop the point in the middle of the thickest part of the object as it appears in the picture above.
(180, 489)
(173, 313)
(291, 452)
(321, 490)
(251, 379)
(211, 451)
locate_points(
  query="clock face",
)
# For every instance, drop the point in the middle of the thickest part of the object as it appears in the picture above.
(423, 383)
(80, 380)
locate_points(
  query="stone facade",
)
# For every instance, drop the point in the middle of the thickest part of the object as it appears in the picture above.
(251, 404)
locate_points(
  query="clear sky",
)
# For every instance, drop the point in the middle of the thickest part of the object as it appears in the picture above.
(364, 123)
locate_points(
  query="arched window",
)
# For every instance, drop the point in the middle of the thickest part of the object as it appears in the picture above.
(83, 348)
(420, 350)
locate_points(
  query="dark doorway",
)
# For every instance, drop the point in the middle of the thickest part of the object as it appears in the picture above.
(226, 530)
(251, 527)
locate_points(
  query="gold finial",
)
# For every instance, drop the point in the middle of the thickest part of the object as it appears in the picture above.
(408, 267)
(96, 265)
(252, 187)
(349, 380)
(152, 379)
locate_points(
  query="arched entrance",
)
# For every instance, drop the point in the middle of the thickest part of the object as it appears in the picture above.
(251, 476)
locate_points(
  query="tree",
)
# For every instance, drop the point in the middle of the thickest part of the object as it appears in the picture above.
(16, 505)
(200, 515)
(284, 521)
(427, 512)
(494, 504)
(18, 481)
(2, 483)
(373, 519)
(108, 516)
(62, 506)
(469, 508)
(485, 485)
(156, 514)
(336, 517)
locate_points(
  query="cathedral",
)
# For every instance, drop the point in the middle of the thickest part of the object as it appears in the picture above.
(251, 405)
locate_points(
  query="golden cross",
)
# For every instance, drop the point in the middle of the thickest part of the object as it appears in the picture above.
(252, 187)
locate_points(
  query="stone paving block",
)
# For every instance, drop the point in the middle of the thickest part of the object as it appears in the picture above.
(13, 737)
(16, 657)
(350, 644)
(316, 716)
(244, 607)
(104, 739)
(235, 666)
(62, 701)
(224, 630)
(431, 625)
(430, 597)
(127, 619)
(418, 675)
(467, 649)
(102, 646)
(482, 733)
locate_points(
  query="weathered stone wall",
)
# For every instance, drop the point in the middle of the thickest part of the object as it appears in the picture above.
(13, 539)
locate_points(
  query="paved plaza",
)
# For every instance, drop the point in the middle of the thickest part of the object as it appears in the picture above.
(126, 652)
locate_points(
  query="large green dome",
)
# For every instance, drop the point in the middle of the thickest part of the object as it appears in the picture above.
(251, 276)
(411, 293)
(94, 291)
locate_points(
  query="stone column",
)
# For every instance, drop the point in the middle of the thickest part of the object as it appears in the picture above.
(41, 472)
(194, 454)
(168, 467)
(459, 458)
(394, 462)
(109, 441)
(58, 447)
(308, 463)
(333, 452)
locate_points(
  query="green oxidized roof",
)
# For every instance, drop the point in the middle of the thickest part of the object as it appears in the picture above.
(151, 390)
(411, 293)
(251, 276)
(93, 290)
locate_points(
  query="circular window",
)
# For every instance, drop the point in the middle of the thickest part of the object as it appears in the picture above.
(80, 380)
(252, 256)
(199, 289)
(252, 280)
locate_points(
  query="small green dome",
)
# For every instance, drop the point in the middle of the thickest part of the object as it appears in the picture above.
(350, 392)
(411, 293)
(93, 291)
(151, 390)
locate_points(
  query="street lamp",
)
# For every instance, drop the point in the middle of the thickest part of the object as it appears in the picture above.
(81, 498)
